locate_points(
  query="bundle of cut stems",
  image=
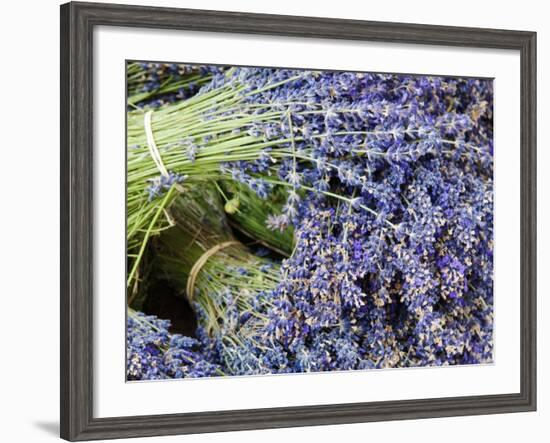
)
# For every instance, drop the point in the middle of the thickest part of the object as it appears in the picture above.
(221, 278)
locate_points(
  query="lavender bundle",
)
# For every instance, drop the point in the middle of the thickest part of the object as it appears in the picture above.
(218, 274)
(297, 129)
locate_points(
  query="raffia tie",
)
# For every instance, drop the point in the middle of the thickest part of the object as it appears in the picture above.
(193, 274)
(154, 150)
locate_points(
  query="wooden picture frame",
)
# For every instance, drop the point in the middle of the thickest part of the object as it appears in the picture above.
(77, 23)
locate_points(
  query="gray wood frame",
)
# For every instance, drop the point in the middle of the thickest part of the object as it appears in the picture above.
(77, 23)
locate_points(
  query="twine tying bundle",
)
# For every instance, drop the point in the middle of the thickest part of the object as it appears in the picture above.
(193, 274)
(154, 150)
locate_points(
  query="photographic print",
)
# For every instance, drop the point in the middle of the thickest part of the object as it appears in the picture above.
(285, 221)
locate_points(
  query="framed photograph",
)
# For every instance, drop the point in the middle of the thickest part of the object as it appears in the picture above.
(273, 221)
